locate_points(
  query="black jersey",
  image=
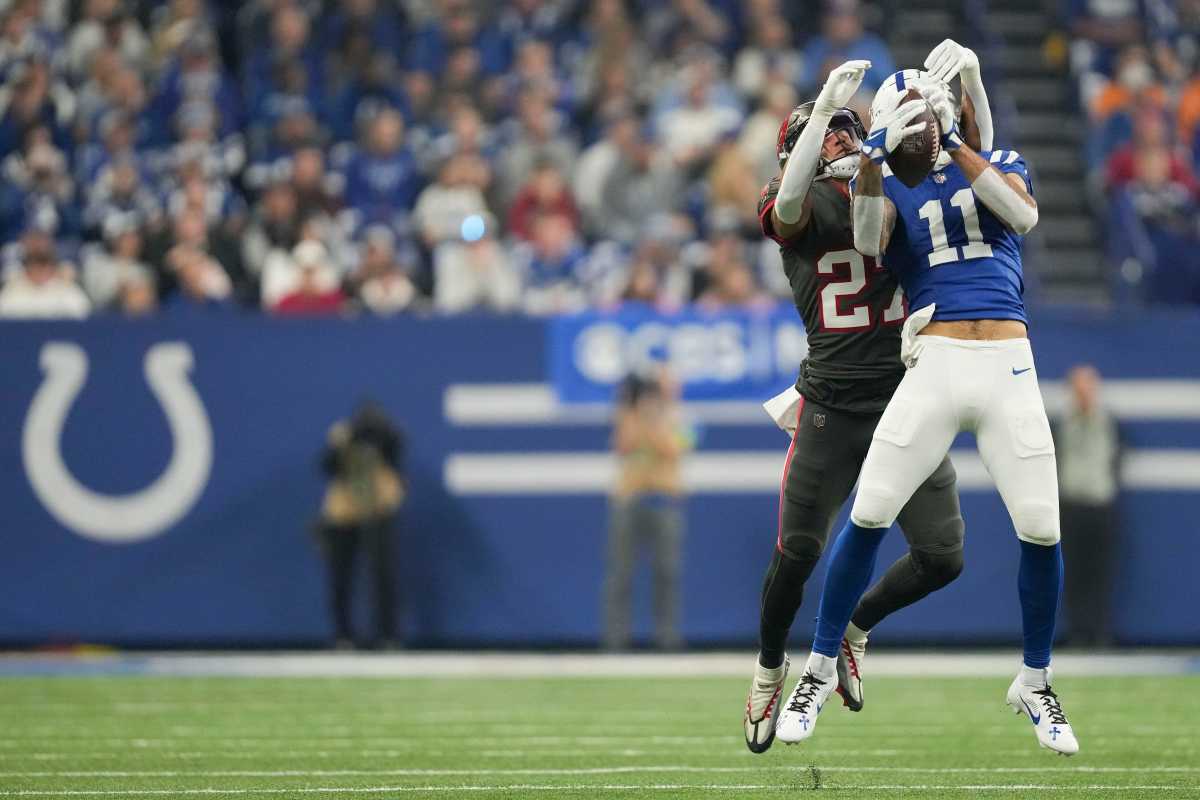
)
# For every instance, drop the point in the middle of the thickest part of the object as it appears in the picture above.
(852, 307)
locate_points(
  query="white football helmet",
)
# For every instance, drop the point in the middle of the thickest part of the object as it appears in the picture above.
(891, 93)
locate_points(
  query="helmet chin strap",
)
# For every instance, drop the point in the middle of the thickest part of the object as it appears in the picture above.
(843, 168)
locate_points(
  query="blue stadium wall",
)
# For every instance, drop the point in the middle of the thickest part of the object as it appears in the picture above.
(503, 540)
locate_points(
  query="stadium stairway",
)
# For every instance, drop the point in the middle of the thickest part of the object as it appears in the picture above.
(1047, 128)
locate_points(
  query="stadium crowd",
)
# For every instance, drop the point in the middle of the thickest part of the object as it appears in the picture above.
(384, 156)
(536, 156)
(1137, 64)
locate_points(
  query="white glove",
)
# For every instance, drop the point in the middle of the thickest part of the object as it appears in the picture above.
(949, 58)
(890, 128)
(840, 86)
(938, 95)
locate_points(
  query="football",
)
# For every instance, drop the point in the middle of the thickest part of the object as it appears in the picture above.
(916, 155)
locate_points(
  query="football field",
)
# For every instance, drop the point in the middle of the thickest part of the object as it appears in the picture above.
(610, 736)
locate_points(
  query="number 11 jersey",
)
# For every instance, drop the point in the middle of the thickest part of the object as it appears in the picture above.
(852, 308)
(948, 248)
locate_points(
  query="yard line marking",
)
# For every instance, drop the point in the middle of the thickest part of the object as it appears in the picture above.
(578, 787)
(615, 770)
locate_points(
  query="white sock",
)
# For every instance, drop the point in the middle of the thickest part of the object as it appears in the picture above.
(855, 634)
(771, 674)
(821, 666)
(1034, 677)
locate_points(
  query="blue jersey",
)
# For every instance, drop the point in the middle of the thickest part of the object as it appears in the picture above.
(948, 248)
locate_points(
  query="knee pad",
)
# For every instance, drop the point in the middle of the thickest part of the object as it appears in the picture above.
(875, 507)
(939, 568)
(802, 545)
(1036, 523)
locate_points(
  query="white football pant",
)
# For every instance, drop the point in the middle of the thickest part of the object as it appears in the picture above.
(987, 387)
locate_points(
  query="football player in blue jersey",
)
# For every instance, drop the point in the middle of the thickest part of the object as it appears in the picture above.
(954, 243)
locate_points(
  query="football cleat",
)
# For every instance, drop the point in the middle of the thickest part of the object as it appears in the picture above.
(763, 704)
(849, 673)
(1040, 705)
(799, 717)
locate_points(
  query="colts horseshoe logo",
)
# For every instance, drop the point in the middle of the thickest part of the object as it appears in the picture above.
(121, 518)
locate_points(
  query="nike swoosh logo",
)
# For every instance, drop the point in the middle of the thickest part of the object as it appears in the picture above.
(1019, 371)
(1034, 718)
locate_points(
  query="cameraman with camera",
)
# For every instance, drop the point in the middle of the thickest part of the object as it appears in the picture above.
(366, 488)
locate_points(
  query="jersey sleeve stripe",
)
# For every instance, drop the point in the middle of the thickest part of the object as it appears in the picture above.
(996, 156)
(1013, 155)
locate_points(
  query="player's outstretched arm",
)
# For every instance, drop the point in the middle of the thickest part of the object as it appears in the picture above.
(873, 215)
(1005, 195)
(792, 206)
(949, 59)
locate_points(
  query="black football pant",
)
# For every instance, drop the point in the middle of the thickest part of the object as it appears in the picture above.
(344, 544)
(823, 464)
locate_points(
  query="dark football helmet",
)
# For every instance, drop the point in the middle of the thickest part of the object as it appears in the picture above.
(843, 118)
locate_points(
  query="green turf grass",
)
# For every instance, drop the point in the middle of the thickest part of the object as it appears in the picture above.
(604, 737)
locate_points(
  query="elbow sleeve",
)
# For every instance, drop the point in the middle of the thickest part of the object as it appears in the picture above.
(868, 224)
(1005, 202)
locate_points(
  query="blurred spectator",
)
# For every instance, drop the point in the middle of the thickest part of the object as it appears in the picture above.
(545, 193)
(138, 296)
(1100, 28)
(363, 461)
(201, 283)
(37, 191)
(302, 281)
(642, 183)
(455, 195)
(646, 508)
(106, 24)
(313, 296)
(759, 138)
(1153, 225)
(1150, 132)
(554, 263)
(1133, 80)
(109, 266)
(383, 278)
(475, 271)
(770, 59)
(381, 177)
(842, 38)
(44, 288)
(36, 99)
(118, 189)
(595, 165)
(190, 231)
(274, 226)
(690, 132)
(732, 183)
(536, 135)
(1088, 443)
(732, 285)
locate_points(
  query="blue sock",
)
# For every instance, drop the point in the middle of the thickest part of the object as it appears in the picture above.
(851, 563)
(1039, 582)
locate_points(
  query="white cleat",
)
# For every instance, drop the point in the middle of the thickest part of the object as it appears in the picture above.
(763, 704)
(849, 673)
(1040, 705)
(799, 716)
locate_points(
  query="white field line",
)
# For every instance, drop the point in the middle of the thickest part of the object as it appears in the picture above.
(468, 664)
(586, 787)
(619, 770)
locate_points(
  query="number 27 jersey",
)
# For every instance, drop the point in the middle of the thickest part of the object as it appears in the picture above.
(950, 249)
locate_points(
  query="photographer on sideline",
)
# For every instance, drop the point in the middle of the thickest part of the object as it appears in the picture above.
(362, 458)
(646, 509)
